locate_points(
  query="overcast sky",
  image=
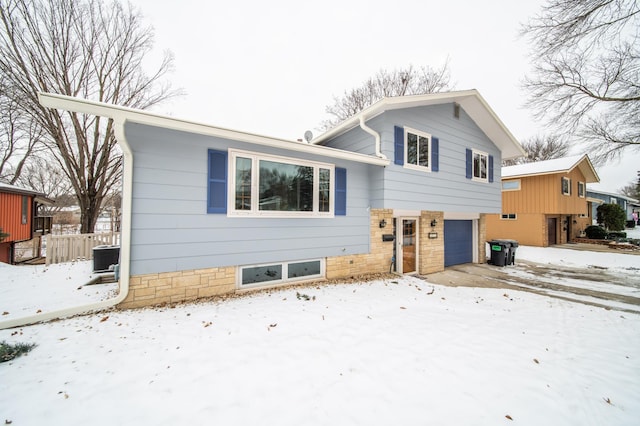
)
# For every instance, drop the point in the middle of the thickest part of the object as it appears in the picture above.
(271, 67)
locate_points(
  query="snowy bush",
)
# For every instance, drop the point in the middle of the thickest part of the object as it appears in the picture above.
(596, 232)
(9, 351)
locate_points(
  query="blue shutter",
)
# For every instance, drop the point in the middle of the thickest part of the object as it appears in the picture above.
(398, 143)
(491, 168)
(435, 153)
(469, 164)
(217, 182)
(341, 192)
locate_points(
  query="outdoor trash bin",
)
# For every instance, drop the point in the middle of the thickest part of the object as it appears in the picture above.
(499, 252)
(512, 252)
(104, 257)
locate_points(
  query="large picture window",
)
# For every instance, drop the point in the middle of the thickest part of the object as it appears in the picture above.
(278, 186)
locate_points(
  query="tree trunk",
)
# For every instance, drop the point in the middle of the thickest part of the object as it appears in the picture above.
(89, 212)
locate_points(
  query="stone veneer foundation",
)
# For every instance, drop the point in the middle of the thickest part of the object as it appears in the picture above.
(173, 287)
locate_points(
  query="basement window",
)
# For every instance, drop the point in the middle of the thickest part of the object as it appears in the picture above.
(280, 273)
(509, 216)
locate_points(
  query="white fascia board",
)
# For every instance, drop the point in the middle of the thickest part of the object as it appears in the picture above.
(595, 200)
(472, 102)
(144, 117)
(588, 171)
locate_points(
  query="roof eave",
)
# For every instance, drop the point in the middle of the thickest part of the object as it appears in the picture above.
(125, 114)
(471, 101)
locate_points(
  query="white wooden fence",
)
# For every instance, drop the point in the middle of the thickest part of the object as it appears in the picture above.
(65, 248)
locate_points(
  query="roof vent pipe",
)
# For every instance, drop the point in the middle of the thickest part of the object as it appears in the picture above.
(375, 134)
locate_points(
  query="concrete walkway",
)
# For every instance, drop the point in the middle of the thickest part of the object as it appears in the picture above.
(596, 287)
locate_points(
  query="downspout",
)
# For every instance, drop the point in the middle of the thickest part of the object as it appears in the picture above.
(375, 134)
(125, 246)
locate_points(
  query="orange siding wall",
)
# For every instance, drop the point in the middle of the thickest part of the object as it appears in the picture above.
(528, 229)
(543, 194)
(11, 217)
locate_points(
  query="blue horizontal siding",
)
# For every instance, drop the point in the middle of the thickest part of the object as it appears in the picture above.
(396, 187)
(447, 189)
(172, 231)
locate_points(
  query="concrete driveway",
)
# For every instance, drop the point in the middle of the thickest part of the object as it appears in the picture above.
(596, 286)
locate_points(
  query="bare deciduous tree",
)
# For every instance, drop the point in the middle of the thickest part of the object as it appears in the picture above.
(586, 72)
(83, 48)
(44, 175)
(407, 81)
(19, 139)
(539, 148)
(631, 190)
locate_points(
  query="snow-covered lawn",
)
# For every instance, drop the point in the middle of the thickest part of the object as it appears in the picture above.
(29, 290)
(397, 351)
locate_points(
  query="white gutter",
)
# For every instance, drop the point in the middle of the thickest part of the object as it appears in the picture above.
(125, 239)
(376, 135)
(120, 115)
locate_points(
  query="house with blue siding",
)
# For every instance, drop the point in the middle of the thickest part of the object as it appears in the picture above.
(599, 197)
(402, 186)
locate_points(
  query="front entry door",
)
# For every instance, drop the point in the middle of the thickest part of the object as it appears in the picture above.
(551, 230)
(407, 239)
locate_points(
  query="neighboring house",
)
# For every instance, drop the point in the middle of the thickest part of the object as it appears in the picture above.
(209, 211)
(599, 197)
(19, 218)
(544, 203)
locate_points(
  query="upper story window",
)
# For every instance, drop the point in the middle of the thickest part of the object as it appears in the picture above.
(581, 189)
(480, 166)
(264, 185)
(566, 186)
(417, 148)
(511, 185)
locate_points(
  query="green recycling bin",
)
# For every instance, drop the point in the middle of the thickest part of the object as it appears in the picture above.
(499, 252)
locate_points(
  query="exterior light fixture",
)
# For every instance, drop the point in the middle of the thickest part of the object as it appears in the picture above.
(383, 223)
(434, 222)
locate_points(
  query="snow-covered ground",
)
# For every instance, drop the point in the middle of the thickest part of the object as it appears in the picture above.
(31, 289)
(395, 351)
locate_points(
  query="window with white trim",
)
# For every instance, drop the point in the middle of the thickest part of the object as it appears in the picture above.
(480, 166)
(509, 216)
(281, 272)
(566, 186)
(417, 148)
(264, 185)
(511, 185)
(581, 189)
